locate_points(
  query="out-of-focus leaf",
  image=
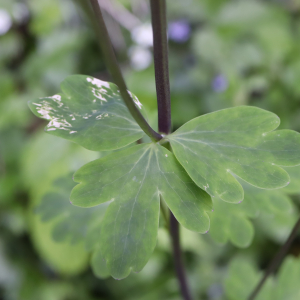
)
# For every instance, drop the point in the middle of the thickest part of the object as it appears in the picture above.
(99, 265)
(276, 40)
(277, 227)
(132, 180)
(237, 141)
(294, 186)
(232, 221)
(243, 13)
(47, 15)
(14, 112)
(90, 112)
(45, 159)
(243, 277)
(73, 224)
(64, 258)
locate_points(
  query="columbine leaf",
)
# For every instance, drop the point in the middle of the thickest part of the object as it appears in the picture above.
(232, 221)
(243, 277)
(89, 112)
(133, 181)
(214, 147)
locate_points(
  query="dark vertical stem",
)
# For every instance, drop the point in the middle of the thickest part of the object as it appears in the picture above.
(160, 46)
(113, 67)
(276, 261)
(179, 266)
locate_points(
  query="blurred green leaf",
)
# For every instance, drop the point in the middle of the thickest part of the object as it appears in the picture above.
(73, 224)
(47, 15)
(294, 186)
(243, 13)
(243, 277)
(99, 265)
(64, 258)
(45, 159)
(232, 221)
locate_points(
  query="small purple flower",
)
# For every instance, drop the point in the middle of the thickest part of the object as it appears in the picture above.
(179, 31)
(219, 84)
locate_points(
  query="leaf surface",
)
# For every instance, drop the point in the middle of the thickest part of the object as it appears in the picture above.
(243, 277)
(72, 224)
(89, 112)
(133, 181)
(236, 141)
(294, 186)
(232, 222)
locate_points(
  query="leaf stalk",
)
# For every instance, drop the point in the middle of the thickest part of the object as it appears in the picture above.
(160, 47)
(178, 261)
(161, 64)
(114, 69)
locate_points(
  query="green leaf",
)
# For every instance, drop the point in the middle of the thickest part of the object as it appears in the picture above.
(63, 258)
(133, 180)
(99, 265)
(232, 221)
(287, 285)
(294, 186)
(277, 228)
(236, 141)
(44, 158)
(72, 224)
(243, 277)
(89, 112)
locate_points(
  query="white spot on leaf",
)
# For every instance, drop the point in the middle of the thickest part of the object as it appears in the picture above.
(97, 82)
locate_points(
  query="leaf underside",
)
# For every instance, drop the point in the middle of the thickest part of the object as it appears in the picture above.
(236, 141)
(133, 181)
(89, 112)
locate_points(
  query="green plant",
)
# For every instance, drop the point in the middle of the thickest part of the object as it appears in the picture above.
(205, 158)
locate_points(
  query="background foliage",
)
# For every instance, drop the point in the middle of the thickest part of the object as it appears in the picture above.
(222, 54)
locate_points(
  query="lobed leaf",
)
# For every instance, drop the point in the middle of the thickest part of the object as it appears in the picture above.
(236, 141)
(133, 180)
(89, 112)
